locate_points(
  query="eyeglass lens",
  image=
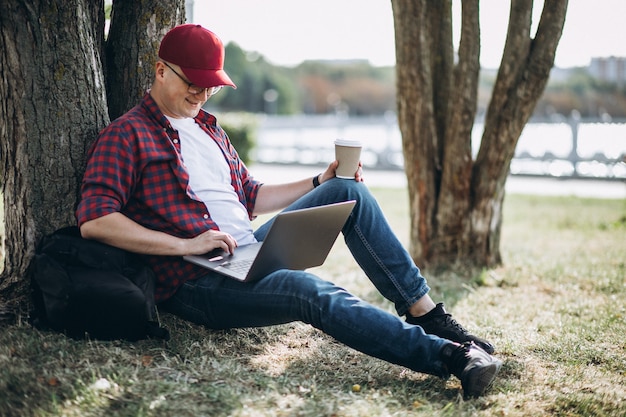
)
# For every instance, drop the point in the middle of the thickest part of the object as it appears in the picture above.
(194, 89)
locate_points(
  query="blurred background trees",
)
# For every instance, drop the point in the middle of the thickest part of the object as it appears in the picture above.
(357, 88)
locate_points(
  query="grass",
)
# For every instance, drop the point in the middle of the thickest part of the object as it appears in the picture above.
(556, 311)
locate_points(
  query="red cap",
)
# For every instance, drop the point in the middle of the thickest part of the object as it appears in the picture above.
(198, 52)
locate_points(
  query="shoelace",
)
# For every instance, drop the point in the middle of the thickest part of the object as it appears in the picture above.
(448, 320)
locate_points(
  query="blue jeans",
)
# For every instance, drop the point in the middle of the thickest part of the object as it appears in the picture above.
(284, 296)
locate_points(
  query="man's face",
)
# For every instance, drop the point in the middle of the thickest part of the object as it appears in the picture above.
(176, 96)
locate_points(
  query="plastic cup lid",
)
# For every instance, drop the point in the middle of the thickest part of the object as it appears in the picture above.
(347, 142)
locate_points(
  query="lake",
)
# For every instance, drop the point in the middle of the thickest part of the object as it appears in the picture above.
(555, 149)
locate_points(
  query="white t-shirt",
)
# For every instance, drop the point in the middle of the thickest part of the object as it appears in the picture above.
(209, 178)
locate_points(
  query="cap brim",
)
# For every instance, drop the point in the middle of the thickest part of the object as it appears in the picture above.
(208, 78)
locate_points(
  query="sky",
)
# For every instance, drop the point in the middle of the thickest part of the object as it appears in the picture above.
(287, 32)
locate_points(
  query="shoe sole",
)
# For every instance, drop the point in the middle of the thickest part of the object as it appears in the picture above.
(481, 379)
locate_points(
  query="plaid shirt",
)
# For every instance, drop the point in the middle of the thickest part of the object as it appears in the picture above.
(135, 168)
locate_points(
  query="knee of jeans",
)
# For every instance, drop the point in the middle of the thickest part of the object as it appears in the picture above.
(346, 189)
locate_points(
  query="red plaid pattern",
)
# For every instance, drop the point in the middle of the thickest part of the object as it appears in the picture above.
(135, 168)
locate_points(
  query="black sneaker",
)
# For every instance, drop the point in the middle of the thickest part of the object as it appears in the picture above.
(440, 323)
(473, 366)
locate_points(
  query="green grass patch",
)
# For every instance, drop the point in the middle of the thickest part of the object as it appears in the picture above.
(556, 311)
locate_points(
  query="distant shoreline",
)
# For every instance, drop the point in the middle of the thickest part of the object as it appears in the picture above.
(546, 186)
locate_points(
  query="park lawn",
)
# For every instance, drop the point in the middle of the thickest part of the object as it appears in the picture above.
(556, 310)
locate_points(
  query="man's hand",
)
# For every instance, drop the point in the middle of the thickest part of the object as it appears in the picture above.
(274, 197)
(118, 230)
(331, 172)
(210, 240)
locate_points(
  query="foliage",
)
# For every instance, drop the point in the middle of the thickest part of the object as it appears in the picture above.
(254, 77)
(555, 312)
(311, 87)
(241, 129)
(582, 93)
(358, 88)
(353, 87)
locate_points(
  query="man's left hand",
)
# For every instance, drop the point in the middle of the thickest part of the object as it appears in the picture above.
(331, 172)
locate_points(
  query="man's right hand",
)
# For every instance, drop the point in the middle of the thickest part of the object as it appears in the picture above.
(210, 240)
(117, 230)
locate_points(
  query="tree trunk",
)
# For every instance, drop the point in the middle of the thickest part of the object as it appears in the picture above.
(54, 104)
(416, 119)
(132, 47)
(53, 107)
(522, 77)
(456, 203)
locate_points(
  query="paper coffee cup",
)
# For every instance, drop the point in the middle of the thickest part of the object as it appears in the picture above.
(348, 153)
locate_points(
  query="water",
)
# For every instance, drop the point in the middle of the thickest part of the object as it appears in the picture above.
(529, 185)
(544, 149)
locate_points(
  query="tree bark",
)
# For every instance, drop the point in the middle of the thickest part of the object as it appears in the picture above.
(522, 77)
(132, 47)
(462, 101)
(416, 119)
(456, 202)
(54, 104)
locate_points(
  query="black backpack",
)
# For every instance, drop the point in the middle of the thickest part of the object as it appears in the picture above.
(82, 286)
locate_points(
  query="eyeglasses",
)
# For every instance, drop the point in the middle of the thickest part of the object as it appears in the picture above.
(192, 88)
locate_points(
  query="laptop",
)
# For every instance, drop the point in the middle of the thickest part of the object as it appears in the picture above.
(296, 240)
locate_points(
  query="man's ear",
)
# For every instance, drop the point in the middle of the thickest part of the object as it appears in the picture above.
(159, 70)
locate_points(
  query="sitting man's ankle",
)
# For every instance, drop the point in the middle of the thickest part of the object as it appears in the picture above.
(440, 323)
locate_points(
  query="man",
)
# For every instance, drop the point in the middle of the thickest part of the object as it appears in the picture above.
(163, 180)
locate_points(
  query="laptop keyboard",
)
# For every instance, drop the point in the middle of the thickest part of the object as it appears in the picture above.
(239, 266)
